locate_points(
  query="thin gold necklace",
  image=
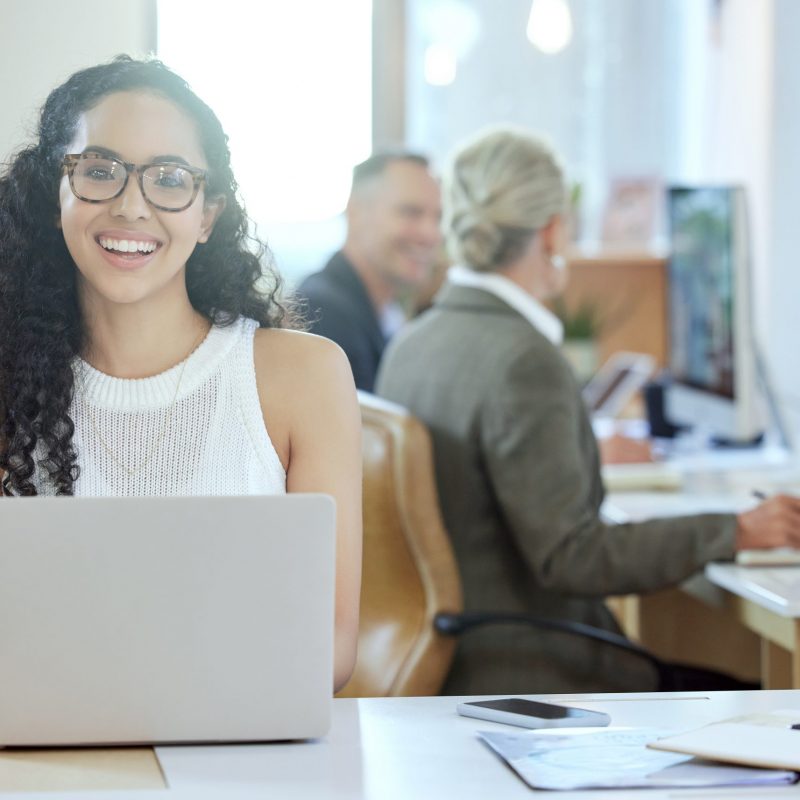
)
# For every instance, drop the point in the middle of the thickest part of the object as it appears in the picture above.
(131, 471)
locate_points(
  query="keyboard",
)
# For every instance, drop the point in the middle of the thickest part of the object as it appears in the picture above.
(652, 476)
(771, 557)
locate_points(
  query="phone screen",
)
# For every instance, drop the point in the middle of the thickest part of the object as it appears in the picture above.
(516, 705)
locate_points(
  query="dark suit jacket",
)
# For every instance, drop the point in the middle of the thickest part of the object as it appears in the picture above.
(519, 481)
(340, 309)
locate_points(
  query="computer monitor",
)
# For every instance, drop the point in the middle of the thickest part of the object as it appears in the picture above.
(712, 359)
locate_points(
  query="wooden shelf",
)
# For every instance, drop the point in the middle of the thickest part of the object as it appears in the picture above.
(630, 289)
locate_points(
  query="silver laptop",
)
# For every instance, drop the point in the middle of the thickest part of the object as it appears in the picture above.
(174, 619)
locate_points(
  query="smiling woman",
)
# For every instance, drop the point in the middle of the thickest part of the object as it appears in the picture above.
(157, 228)
(138, 352)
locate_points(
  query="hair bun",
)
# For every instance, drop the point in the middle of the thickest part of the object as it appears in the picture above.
(476, 241)
(500, 189)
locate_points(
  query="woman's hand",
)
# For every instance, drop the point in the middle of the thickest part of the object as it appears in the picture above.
(619, 449)
(773, 523)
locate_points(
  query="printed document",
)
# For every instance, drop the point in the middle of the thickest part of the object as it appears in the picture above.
(616, 758)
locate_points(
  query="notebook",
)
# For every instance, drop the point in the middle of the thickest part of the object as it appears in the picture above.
(650, 476)
(769, 557)
(770, 740)
(165, 619)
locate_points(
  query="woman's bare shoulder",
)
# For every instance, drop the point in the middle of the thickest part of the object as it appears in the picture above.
(295, 358)
(283, 339)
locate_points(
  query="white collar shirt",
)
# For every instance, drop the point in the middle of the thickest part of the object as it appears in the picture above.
(547, 323)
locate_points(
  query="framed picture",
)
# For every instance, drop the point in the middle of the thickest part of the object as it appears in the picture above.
(634, 212)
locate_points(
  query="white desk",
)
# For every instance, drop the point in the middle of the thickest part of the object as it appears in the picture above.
(420, 749)
(725, 478)
(764, 600)
(776, 589)
(767, 601)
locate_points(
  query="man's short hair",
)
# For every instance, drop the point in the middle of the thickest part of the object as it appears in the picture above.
(378, 162)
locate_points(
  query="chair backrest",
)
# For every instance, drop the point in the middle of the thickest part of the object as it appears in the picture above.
(409, 571)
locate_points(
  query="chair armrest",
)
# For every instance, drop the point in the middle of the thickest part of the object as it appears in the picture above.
(450, 624)
(672, 677)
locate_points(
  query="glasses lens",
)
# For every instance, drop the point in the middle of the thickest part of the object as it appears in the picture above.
(168, 185)
(98, 178)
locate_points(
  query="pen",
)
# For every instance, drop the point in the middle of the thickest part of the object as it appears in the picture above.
(759, 495)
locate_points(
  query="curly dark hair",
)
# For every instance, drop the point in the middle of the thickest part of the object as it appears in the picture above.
(41, 325)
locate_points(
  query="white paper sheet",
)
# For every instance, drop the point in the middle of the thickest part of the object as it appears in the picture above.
(616, 758)
(758, 740)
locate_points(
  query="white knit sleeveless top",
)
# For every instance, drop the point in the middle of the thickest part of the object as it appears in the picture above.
(196, 429)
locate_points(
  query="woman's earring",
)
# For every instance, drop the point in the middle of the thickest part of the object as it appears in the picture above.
(558, 263)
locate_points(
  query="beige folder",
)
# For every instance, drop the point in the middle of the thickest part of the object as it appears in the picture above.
(45, 770)
(758, 740)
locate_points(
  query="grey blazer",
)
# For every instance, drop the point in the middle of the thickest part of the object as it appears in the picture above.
(519, 482)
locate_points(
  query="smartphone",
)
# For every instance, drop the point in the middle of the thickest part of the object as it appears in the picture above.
(533, 714)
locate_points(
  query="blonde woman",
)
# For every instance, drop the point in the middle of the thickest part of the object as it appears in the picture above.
(516, 461)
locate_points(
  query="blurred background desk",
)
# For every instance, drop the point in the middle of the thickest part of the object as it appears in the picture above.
(740, 620)
(767, 602)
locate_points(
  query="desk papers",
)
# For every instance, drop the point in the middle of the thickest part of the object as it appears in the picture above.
(616, 758)
(758, 740)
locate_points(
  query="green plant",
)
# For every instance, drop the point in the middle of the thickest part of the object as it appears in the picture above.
(582, 321)
(573, 215)
(575, 196)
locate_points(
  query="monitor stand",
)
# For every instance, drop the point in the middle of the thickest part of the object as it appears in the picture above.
(660, 426)
(724, 442)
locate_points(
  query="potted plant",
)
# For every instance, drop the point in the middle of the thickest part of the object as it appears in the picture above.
(582, 323)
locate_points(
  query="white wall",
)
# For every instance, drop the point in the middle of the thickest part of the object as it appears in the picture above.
(45, 41)
(737, 123)
(751, 111)
(783, 295)
(610, 101)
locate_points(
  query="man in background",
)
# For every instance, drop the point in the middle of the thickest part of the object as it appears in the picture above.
(393, 238)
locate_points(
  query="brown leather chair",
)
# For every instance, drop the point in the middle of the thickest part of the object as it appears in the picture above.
(409, 571)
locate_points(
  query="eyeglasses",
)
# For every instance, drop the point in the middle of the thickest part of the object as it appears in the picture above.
(97, 179)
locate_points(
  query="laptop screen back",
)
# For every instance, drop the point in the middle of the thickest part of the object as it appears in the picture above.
(129, 620)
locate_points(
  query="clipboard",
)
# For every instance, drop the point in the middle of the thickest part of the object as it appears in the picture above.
(770, 740)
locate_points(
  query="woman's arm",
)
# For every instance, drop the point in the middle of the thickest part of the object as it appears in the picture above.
(541, 460)
(311, 410)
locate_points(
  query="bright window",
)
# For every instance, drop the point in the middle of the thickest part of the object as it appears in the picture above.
(291, 82)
